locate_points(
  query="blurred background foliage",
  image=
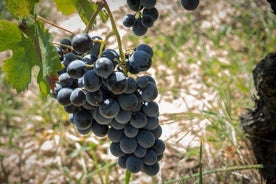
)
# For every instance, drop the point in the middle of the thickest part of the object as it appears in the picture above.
(203, 63)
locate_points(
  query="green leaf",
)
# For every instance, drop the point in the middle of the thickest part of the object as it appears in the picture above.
(48, 54)
(33, 47)
(103, 16)
(86, 9)
(67, 7)
(43, 85)
(21, 8)
(18, 68)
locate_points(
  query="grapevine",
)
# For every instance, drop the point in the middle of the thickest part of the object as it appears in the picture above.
(103, 90)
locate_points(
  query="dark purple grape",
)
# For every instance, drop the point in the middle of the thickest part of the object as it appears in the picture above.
(189, 5)
(81, 42)
(153, 12)
(76, 69)
(134, 164)
(147, 21)
(128, 20)
(138, 28)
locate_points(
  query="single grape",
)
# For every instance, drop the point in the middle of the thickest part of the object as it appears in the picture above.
(152, 123)
(71, 108)
(78, 97)
(150, 108)
(189, 5)
(158, 147)
(103, 67)
(128, 102)
(157, 132)
(63, 96)
(82, 119)
(139, 120)
(81, 42)
(122, 161)
(128, 20)
(159, 157)
(151, 79)
(128, 145)
(130, 131)
(84, 131)
(133, 4)
(153, 12)
(115, 135)
(145, 138)
(99, 118)
(151, 170)
(116, 125)
(142, 82)
(150, 158)
(147, 21)
(116, 150)
(94, 98)
(65, 80)
(134, 164)
(99, 129)
(146, 48)
(149, 93)
(123, 117)
(68, 58)
(116, 83)
(112, 55)
(65, 41)
(131, 85)
(76, 69)
(138, 28)
(109, 108)
(140, 60)
(140, 151)
(91, 81)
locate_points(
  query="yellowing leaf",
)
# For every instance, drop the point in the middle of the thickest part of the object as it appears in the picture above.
(67, 7)
(20, 8)
(18, 68)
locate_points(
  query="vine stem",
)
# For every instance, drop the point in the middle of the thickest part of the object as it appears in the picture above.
(53, 24)
(115, 30)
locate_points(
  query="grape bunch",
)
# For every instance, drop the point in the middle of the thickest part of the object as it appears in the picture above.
(144, 17)
(95, 90)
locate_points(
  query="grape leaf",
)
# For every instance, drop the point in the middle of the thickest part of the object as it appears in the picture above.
(86, 10)
(103, 16)
(18, 68)
(50, 64)
(21, 8)
(48, 54)
(34, 47)
(67, 7)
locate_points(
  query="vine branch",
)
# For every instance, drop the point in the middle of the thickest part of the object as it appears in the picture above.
(53, 24)
(115, 30)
